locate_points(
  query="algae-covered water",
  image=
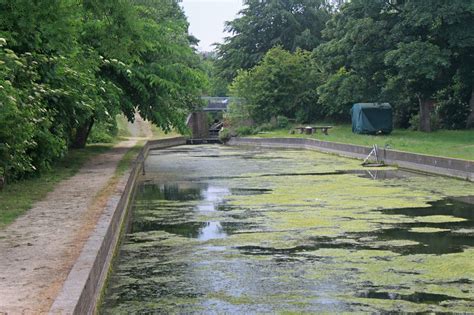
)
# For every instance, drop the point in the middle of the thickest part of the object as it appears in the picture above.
(220, 229)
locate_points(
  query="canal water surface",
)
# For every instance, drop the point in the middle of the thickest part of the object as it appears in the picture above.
(219, 229)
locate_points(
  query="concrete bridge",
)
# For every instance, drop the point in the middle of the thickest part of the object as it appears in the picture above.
(216, 104)
(198, 122)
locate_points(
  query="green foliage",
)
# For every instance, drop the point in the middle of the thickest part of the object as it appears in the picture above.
(265, 24)
(103, 132)
(403, 52)
(282, 84)
(264, 127)
(28, 141)
(418, 67)
(283, 122)
(453, 109)
(245, 131)
(66, 66)
(224, 135)
(416, 55)
(341, 90)
(238, 114)
(216, 85)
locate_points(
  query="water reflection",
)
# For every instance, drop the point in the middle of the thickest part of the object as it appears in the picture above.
(433, 237)
(425, 237)
(416, 297)
(212, 230)
(212, 197)
(208, 199)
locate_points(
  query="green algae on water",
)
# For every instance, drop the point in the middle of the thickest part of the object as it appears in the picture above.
(227, 230)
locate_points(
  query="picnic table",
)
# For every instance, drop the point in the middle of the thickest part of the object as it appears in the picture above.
(309, 130)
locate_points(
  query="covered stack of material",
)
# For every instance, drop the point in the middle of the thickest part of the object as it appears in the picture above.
(372, 118)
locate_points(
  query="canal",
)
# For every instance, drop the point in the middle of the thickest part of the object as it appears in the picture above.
(219, 229)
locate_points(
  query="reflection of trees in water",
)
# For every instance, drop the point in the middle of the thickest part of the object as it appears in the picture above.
(174, 191)
(441, 242)
(210, 198)
(188, 229)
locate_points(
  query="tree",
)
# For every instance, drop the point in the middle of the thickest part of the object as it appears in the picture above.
(217, 86)
(418, 68)
(352, 58)
(435, 38)
(402, 52)
(66, 65)
(290, 24)
(283, 83)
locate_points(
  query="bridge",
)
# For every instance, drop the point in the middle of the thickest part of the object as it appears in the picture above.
(218, 104)
(202, 130)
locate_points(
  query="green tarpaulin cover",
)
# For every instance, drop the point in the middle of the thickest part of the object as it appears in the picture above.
(372, 118)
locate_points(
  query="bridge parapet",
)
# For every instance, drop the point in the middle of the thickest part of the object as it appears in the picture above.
(218, 104)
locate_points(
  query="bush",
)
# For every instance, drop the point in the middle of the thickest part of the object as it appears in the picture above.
(103, 132)
(244, 131)
(302, 116)
(282, 122)
(434, 122)
(224, 135)
(264, 127)
(453, 113)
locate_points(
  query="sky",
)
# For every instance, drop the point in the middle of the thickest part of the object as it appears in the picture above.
(207, 17)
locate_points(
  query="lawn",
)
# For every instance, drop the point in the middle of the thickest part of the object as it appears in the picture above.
(449, 143)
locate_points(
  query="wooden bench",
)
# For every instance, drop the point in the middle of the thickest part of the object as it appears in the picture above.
(310, 130)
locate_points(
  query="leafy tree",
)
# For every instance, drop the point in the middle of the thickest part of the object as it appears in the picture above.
(217, 86)
(66, 65)
(283, 83)
(353, 58)
(16, 120)
(418, 68)
(36, 37)
(398, 51)
(291, 24)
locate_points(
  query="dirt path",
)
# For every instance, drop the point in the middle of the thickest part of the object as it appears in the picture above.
(140, 128)
(38, 250)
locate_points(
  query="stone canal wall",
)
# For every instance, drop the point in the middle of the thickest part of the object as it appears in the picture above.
(458, 168)
(84, 284)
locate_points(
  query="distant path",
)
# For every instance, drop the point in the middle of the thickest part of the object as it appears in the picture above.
(38, 250)
(140, 128)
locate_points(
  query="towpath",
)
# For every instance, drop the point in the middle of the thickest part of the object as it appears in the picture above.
(38, 250)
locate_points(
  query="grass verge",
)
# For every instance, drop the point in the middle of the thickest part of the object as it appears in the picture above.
(158, 133)
(448, 143)
(16, 198)
(126, 161)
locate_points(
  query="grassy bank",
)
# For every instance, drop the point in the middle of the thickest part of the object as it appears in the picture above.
(158, 133)
(16, 198)
(449, 143)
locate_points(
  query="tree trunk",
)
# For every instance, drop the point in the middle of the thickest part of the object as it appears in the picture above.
(470, 119)
(426, 105)
(82, 133)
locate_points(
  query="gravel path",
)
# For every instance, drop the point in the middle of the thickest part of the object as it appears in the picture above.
(39, 248)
